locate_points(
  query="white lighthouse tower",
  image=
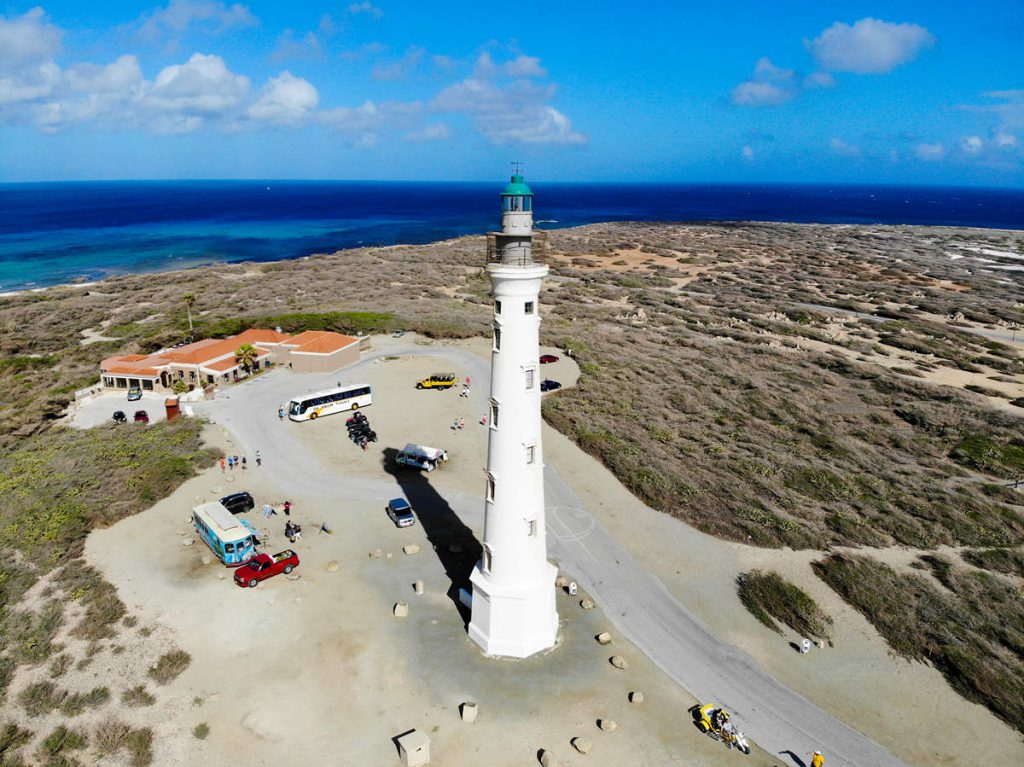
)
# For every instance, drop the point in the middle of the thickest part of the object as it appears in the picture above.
(514, 584)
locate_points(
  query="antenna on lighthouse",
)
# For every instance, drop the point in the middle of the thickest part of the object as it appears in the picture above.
(517, 168)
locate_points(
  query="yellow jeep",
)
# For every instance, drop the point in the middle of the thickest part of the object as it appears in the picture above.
(437, 381)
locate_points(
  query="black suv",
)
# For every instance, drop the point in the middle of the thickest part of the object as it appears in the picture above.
(238, 503)
(120, 417)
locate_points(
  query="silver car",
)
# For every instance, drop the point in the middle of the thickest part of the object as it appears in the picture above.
(400, 512)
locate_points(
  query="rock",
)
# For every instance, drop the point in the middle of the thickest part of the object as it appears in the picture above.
(608, 725)
(821, 644)
(604, 638)
(547, 759)
(636, 697)
(468, 711)
(618, 661)
(411, 549)
(388, 555)
(332, 566)
(418, 587)
(206, 559)
(187, 541)
(221, 576)
(293, 576)
(376, 553)
(401, 609)
(587, 603)
(561, 582)
(229, 479)
(581, 744)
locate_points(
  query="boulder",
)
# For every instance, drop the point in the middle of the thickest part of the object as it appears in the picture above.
(618, 661)
(608, 725)
(206, 559)
(636, 697)
(468, 711)
(418, 587)
(332, 566)
(376, 553)
(583, 745)
(604, 638)
(401, 609)
(587, 603)
(411, 548)
(561, 582)
(187, 541)
(547, 759)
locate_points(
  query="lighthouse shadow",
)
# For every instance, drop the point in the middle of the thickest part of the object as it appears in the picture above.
(453, 542)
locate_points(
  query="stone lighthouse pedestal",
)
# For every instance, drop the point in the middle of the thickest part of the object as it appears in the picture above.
(513, 612)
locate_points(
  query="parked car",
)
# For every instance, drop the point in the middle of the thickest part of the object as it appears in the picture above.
(141, 416)
(546, 358)
(120, 417)
(548, 385)
(134, 393)
(238, 503)
(263, 566)
(437, 381)
(398, 334)
(400, 512)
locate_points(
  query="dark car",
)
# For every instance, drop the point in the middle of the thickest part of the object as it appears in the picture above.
(546, 358)
(120, 417)
(141, 416)
(238, 503)
(548, 385)
(400, 512)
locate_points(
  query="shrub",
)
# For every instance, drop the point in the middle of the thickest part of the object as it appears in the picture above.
(40, 698)
(140, 747)
(110, 736)
(60, 665)
(63, 739)
(137, 696)
(769, 596)
(76, 703)
(169, 666)
(1010, 561)
(201, 730)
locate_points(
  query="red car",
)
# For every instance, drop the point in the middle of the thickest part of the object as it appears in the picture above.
(546, 358)
(263, 566)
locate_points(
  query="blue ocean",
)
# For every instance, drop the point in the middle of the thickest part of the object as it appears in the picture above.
(72, 232)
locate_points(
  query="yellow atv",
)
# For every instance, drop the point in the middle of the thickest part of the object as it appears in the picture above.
(437, 381)
(711, 719)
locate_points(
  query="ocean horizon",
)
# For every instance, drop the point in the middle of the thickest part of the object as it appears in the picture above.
(54, 233)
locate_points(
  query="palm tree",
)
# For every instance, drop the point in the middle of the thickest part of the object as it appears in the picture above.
(190, 299)
(245, 355)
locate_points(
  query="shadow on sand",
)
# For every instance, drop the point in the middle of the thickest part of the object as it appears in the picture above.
(453, 542)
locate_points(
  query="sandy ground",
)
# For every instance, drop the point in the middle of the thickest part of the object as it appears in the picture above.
(280, 681)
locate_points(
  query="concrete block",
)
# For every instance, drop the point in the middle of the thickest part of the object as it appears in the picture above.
(618, 661)
(561, 582)
(418, 587)
(583, 745)
(187, 541)
(376, 553)
(587, 603)
(401, 609)
(410, 549)
(547, 759)
(468, 711)
(414, 749)
(604, 638)
(636, 697)
(332, 566)
(608, 725)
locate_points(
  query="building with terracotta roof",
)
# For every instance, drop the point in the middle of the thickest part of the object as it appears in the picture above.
(212, 361)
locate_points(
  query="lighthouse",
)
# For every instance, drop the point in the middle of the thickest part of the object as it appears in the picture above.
(513, 611)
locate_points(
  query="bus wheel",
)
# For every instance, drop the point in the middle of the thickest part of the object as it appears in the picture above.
(252, 583)
(355, 406)
(287, 569)
(312, 416)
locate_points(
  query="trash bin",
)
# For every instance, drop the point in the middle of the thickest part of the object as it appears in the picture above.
(414, 749)
(572, 588)
(171, 405)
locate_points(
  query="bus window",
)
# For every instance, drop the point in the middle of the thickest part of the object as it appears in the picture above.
(229, 548)
(293, 408)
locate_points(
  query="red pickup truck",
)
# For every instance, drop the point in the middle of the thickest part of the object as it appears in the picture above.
(264, 566)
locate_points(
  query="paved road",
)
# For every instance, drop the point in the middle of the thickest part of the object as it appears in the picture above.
(638, 604)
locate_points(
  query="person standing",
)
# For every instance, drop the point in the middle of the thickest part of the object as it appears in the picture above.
(462, 423)
(231, 463)
(280, 413)
(222, 464)
(287, 508)
(817, 760)
(259, 459)
(243, 463)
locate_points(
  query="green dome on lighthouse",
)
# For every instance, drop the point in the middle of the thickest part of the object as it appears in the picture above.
(517, 187)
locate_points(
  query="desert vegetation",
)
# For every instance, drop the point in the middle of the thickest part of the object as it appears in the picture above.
(769, 597)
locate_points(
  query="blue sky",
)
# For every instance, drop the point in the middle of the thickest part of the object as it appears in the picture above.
(896, 92)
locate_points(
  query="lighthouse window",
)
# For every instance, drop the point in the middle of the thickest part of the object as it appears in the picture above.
(497, 339)
(490, 488)
(531, 453)
(494, 415)
(528, 307)
(531, 525)
(497, 307)
(487, 558)
(530, 373)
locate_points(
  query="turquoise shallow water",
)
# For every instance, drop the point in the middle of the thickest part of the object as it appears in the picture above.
(58, 233)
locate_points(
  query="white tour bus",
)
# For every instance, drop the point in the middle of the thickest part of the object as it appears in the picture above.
(421, 457)
(349, 397)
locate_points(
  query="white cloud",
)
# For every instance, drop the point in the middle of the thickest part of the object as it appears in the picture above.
(285, 100)
(201, 87)
(870, 46)
(364, 125)
(28, 44)
(1003, 139)
(430, 132)
(399, 70)
(843, 149)
(524, 66)
(747, 152)
(929, 152)
(770, 86)
(819, 80)
(971, 144)
(367, 8)
(309, 45)
(181, 16)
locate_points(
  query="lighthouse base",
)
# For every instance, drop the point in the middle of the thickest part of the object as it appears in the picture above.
(515, 620)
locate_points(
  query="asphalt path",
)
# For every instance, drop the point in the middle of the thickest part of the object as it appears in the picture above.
(637, 603)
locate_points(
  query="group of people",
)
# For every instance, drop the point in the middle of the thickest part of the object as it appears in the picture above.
(458, 424)
(292, 531)
(231, 461)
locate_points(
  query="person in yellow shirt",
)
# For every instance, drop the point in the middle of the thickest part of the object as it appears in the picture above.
(817, 760)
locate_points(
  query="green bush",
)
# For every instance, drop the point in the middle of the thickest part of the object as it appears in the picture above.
(169, 666)
(769, 596)
(137, 697)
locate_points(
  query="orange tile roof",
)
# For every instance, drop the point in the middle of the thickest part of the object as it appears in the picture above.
(222, 366)
(320, 342)
(130, 364)
(260, 336)
(201, 351)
